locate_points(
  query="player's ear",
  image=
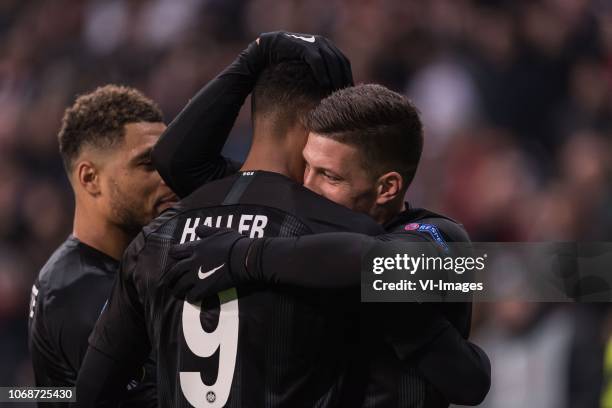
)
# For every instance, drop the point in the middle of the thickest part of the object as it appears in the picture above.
(87, 176)
(390, 186)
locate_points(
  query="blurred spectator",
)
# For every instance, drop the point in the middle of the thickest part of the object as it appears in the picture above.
(528, 344)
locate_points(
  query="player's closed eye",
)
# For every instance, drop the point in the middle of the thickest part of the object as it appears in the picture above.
(332, 177)
(147, 165)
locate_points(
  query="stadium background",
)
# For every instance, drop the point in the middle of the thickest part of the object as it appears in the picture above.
(516, 97)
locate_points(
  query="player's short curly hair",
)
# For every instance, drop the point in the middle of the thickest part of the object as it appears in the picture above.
(384, 125)
(98, 119)
(289, 90)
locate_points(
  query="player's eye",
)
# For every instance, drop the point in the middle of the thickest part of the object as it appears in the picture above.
(331, 177)
(147, 165)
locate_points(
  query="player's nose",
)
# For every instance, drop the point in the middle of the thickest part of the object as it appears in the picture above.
(161, 181)
(310, 182)
(307, 176)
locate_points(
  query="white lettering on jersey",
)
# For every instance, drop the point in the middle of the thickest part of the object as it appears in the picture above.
(225, 336)
(189, 230)
(33, 298)
(253, 225)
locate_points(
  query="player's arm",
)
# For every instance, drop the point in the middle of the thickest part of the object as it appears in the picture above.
(118, 345)
(188, 154)
(461, 371)
(324, 261)
(102, 380)
(457, 367)
(319, 261)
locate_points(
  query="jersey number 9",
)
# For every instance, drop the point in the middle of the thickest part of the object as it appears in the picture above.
(205, 344)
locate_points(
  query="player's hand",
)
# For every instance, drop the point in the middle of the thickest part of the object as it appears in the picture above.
(204, 267)
(329, 65)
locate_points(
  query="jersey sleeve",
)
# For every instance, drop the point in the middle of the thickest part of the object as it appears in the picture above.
(101, 381)
(188, 154)
(51, 366)
(117, 366)
(119, 344)
(57, 345)
(457, 367)
(302, 261)
(320, 261)
(121, 332)
(71, 337)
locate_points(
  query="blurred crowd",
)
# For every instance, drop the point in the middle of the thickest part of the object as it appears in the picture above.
(516, 97)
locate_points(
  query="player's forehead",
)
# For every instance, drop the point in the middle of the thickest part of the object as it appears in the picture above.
(141, 136)
(322, 150)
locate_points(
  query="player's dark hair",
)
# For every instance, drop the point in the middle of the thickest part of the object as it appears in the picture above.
(286, 92)
(98, 119)
(384, 125)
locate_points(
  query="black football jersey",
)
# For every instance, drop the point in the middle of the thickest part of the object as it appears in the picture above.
(245, 347)
(390, 383)
(67, 299)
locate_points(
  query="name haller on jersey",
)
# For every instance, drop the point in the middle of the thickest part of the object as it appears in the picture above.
(253, 224)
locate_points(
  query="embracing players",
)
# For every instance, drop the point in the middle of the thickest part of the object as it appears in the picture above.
(362, 152)
(242, 348)
(283, 346)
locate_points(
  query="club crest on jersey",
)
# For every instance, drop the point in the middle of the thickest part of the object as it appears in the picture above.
(211, 397)
(430, 229)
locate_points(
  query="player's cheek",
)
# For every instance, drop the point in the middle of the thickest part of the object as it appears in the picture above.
(147, 189)
(334, 192)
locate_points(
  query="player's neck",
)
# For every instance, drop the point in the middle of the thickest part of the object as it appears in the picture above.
(98, 233)
(281, 155)
(384, 214)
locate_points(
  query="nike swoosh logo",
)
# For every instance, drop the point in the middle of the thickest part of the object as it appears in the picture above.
(307, 39)
(204, 275)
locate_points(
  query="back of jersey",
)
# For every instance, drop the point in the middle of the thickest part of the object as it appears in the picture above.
(251, 347)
